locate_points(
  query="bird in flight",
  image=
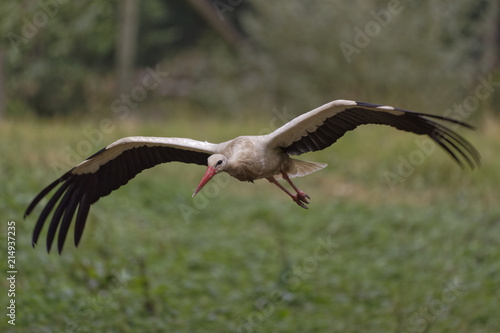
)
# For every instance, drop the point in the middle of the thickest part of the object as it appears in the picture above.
(246, 158)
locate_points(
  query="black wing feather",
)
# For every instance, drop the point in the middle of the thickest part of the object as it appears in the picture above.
(60, 210)
(47, 209)
(83, 212)
(82, 190)
(337, 125)
(66, 220)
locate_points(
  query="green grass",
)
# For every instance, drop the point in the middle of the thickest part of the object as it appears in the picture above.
(420, 256)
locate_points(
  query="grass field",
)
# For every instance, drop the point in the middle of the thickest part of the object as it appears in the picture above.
(386, 246)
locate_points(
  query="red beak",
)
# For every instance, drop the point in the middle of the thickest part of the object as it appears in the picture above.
(206, 177)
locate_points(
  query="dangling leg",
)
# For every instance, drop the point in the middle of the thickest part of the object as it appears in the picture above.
(302, 196)
(298, 198)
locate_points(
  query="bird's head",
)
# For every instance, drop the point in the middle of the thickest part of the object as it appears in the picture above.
(216, 163)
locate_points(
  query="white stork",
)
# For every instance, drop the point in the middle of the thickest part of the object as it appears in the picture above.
(246, 158)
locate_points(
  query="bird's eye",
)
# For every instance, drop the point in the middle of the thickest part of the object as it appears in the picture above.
(219, 162)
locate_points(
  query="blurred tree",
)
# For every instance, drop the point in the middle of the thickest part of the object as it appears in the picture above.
(433, 48)
(170, 27)
(209, 11)
(2, 82)
(492, 38)
(126, 43)
(59, 55)
(50, 47)
(55, 50)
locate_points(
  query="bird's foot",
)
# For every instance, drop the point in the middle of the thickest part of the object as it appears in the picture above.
(300, 199)
(303, 196)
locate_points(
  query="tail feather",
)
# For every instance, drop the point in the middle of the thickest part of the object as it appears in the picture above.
(302, 168)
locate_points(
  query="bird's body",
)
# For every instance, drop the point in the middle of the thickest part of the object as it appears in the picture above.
(246, 158)
(251, 158)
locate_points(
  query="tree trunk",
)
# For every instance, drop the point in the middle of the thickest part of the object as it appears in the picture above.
(3, 96)
(492, 39)
(216, 20)
(491, 57)
(126, 44)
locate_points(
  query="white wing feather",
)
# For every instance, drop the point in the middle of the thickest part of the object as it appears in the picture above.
(113, 150)
(309, 122)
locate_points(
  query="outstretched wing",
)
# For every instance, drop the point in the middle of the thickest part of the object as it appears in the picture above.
(321, 127)
(104, 172)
